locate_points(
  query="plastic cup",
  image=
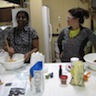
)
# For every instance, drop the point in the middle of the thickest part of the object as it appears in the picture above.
(73, 59)
(63, 79)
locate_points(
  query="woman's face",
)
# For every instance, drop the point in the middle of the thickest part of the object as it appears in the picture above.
(72, 20)
(22, 20)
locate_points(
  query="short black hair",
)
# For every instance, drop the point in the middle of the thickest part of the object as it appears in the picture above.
(24, 12)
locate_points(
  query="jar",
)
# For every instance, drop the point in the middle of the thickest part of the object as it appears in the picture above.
(63, 79)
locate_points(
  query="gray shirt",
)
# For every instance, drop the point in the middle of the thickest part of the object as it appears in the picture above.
(74, 47)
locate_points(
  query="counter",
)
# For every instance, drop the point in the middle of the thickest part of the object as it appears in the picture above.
(53, 86)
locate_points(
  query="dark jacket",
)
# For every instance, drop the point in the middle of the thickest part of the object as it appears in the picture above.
(74, 47)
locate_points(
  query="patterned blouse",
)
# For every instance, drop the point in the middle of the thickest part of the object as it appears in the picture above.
(22, 41)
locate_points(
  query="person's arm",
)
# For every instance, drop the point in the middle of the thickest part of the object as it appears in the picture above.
(92, 38)
(94, 46)
(35, 44)
(8, 32)
(59, 41)
(6, 45)
(8, 48)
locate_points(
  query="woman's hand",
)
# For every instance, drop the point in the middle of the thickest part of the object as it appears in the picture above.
(27, 56)
(61, 55)
(11, 51)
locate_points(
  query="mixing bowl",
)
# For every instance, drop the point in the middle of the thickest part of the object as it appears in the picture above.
(16, 62)
(90, 60)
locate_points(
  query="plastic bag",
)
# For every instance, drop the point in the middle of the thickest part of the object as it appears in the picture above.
(77, 73)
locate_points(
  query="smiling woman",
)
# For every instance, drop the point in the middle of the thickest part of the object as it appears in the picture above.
(22, 38)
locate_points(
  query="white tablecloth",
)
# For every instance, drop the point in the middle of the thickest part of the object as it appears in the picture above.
(53, 86)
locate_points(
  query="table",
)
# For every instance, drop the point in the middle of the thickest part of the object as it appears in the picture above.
(53, 86)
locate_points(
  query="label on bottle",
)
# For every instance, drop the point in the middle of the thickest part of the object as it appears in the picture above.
(37, 82)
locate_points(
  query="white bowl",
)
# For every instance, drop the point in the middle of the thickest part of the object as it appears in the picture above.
(89, 59)
(12, 65)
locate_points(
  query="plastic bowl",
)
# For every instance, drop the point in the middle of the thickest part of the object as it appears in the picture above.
(12, 65)
(89, 59)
